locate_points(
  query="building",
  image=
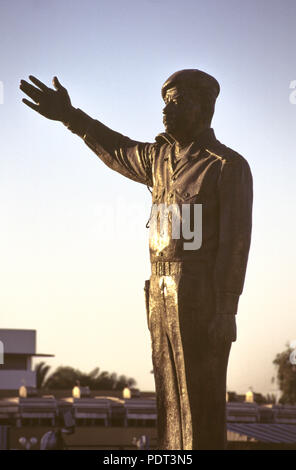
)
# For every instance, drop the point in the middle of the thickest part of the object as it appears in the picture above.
(19, 346)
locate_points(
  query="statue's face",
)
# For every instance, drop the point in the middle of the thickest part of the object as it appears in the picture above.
(182, 111)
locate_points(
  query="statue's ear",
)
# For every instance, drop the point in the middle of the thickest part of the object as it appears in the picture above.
(164, 138)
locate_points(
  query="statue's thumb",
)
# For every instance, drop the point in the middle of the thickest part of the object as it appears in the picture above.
(57, 84)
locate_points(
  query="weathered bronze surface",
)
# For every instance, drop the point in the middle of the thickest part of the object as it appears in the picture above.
(192, 294)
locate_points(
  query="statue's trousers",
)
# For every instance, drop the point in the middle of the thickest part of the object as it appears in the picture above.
(189, 368)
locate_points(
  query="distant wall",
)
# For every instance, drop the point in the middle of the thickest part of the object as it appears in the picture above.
(13, 379)
(18, 341)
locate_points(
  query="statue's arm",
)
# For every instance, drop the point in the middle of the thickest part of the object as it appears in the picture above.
(131, 158)
(235, 226)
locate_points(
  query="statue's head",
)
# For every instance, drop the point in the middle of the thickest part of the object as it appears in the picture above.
(189, 97)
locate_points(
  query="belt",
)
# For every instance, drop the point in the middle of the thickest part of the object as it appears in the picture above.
(166, 268)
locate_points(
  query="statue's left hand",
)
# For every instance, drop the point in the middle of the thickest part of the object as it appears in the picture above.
(222, 328)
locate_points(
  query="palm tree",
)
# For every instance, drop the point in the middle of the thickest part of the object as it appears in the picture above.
(124, 381)
(64, 378)
(67, 377)
(41, 370)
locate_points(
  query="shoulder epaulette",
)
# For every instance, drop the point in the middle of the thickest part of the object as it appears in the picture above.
(222, 152)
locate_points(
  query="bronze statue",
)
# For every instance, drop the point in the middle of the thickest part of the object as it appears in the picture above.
(192, 294)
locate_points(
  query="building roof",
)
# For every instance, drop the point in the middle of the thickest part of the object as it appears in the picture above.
(19, 341)
(28, 354)
(275, 433)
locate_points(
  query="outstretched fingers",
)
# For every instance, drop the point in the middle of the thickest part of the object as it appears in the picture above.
(57, 84)
(31, 105)
(30, 90)
(37, 82)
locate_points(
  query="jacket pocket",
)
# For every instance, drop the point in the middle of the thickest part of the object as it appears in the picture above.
(189, 194)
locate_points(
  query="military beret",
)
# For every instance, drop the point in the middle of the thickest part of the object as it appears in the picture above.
(192, 78)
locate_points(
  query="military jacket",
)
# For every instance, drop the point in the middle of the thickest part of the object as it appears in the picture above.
(205, 174)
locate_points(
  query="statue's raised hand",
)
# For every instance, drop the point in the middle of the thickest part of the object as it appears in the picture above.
(53, 104)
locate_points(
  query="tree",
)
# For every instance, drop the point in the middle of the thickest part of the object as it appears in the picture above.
(123, 382)
(63, 378)
(286, 376)
(41, 370)
(67, 377)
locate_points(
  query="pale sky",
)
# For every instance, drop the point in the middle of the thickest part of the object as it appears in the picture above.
(61, 272)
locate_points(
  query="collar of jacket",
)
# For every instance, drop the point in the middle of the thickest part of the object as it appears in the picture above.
(204, 140)
(164, 138)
